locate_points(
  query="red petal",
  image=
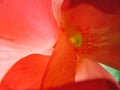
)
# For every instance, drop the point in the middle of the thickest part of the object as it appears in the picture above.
(26, 27)
(100, 32)
(62, 66)
(25, 74)
(104, 5)
(97, 84)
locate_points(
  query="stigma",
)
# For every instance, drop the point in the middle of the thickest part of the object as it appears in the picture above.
(76, 40)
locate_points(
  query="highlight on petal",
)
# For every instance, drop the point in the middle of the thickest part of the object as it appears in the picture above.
(88, 69)
(61, 68)
(100, 31)
(97, 84)
(26, 74)
(56, 6)
(26, 27)
(28, 23)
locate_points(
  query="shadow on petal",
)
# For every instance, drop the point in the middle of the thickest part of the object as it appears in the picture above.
(97, 84)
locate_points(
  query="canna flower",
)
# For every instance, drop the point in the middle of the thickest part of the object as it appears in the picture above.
(66, 40)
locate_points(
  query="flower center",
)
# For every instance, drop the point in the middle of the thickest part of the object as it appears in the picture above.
(72, 31)
(76, 40)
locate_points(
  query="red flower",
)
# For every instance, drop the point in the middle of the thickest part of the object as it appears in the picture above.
(88, 32)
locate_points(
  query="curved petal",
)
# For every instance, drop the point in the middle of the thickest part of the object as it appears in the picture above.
(88, 69)
(62, 65)
(104, 5)
(26, 27)
(100, 32)
(27, 22)
(97, 84)
(56, 6)
(26, 73)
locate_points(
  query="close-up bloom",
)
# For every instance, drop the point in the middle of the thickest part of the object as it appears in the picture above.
(59, 44)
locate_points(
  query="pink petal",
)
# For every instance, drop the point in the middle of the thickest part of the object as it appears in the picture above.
(88, 69)
(26, 74)
(62, 65)
(26, 26)
(56, 5)
(26, 22)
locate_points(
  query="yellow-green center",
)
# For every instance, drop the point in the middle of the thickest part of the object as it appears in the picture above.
(72, 31)
(76, 40)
